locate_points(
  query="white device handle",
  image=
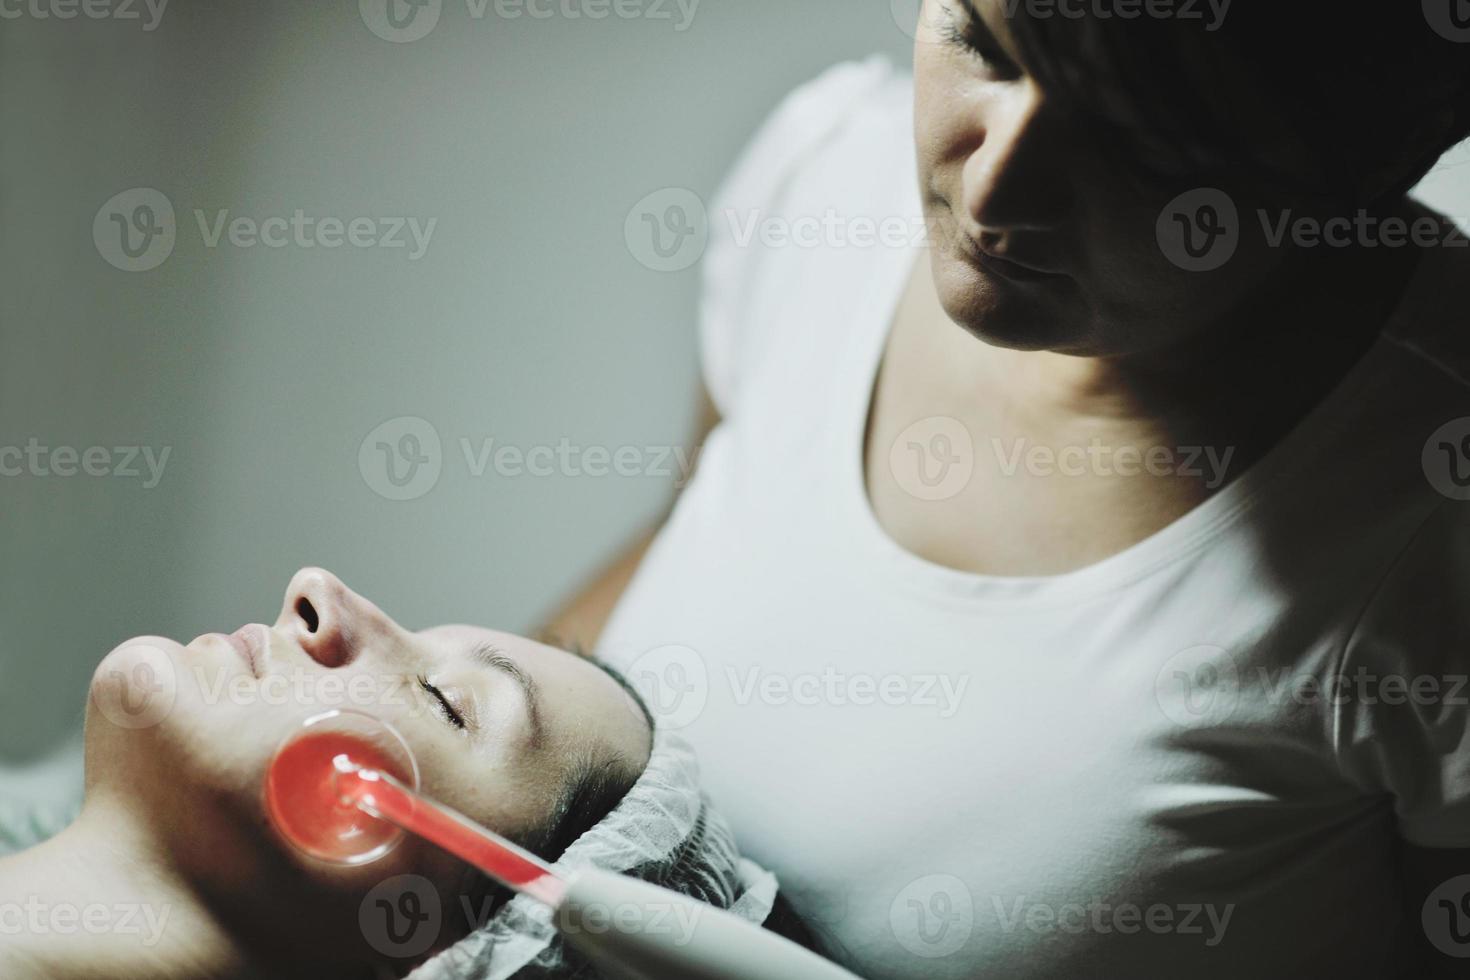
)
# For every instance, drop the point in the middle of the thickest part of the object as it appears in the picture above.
(645, 932)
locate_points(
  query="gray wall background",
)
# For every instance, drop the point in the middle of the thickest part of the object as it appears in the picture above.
(263, 369)
(527, 320)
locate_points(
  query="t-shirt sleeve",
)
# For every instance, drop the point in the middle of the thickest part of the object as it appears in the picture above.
(1401, 714)
(730, 340)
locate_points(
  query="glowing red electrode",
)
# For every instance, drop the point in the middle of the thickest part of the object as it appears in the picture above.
(304, 802)
(338, 797)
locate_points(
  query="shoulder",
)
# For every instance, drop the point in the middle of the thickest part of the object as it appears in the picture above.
(1402, 444)
(1401, 719)
(1388, 506)
(835, 144)
(1418, 617)
(851, 98)
(1434, 326)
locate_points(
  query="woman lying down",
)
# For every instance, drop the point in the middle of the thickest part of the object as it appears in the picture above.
(173, 870)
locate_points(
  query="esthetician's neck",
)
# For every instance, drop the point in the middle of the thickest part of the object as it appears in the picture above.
(1291, 339)
(96, 901)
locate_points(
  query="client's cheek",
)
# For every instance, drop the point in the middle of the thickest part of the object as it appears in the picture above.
(512, 803)
(512, 793)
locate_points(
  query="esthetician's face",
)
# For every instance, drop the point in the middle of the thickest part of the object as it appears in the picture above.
(183, 734)
(1039, 241)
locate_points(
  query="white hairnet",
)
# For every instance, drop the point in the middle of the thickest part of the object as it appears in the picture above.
(665, 828)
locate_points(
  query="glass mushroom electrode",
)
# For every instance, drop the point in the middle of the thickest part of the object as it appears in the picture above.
(344, 790)
(307, 798)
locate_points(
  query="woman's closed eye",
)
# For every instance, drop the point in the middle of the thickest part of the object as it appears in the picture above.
(446, 707)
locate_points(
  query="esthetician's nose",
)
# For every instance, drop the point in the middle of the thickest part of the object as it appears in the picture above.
(329, 620)
(1015, 179)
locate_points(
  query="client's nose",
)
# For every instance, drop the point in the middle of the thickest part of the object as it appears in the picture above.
(326, 617)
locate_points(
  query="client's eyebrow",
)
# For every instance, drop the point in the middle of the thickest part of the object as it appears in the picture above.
(488, 655)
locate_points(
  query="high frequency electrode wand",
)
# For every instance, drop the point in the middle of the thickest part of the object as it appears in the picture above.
(345, 787)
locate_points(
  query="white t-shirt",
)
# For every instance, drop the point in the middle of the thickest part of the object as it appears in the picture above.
(1194, 758)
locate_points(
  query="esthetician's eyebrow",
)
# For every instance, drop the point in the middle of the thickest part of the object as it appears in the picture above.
(489, 656)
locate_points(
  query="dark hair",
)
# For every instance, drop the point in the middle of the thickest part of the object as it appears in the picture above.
(1277, 92)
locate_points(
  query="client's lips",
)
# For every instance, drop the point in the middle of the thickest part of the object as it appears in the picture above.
(249, 642)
